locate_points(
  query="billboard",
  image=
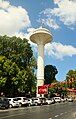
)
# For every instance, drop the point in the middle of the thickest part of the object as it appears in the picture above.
(43, 89)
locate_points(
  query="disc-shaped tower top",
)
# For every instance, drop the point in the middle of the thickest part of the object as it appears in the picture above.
(41, 36)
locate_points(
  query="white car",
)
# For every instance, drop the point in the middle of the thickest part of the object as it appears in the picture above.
(13, 102)
(70, 99)
(23, 101)
(31, 102)
(50, 101)
(57, 99)
(40, 101)
(63, 99)
(37, 101)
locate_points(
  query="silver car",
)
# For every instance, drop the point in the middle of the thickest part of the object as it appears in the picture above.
(13, 102)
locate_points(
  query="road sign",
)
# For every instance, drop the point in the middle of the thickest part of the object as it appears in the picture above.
(42, 90)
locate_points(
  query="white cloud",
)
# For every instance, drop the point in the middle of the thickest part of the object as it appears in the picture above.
(12, 19)
(65, 11)
(26, 35)
(56, 50)
(21, 35)
(49, 22)
(56, 1)
(4, 4)
(59, 50)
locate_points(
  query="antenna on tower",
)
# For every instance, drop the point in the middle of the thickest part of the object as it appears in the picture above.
(42, 23)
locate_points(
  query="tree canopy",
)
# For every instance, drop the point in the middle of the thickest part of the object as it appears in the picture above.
(71, 78)
(50, 72)
(71, 75)
(17, 65)
(16, 49)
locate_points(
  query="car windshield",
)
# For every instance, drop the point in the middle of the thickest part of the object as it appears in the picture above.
(15, 99)
(35, 99)
(24, 99)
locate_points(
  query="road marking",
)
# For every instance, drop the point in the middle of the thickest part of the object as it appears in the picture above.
(50, 118)
(10, 109)
(11, 116)
(65, 112)
(56, 115)
(61, 113)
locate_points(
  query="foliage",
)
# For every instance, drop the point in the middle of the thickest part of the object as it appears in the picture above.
(49, 74)
(16, 49)
(57, 90)
(17, 66)
(71, 75)
(71, 78)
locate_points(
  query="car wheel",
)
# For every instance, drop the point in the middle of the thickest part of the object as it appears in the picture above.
(10, 106)
(20, 105)
(36, 104)
(29, 104)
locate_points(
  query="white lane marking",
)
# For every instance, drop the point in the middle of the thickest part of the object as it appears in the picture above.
(61, 113)
(56, 115)
(10, 109)
(50, 118)
(11, 116)
(65, 112)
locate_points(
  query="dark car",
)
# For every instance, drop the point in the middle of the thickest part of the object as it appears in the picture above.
(43, 100)
(4, 102)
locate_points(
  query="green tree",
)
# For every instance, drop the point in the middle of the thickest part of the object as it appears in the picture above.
(2, 80)
(17, 66)
(49, 74)
(25, 81)
(71, 75)
(16, 49)
(71, 78)
(9, 71)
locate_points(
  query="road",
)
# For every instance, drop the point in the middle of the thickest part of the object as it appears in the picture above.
(65, 110)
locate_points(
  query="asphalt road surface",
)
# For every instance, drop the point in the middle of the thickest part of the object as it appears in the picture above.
(65, 110)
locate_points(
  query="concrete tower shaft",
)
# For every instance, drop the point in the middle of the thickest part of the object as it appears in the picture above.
(40, 36)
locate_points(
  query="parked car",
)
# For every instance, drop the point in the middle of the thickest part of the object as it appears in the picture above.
(50, 101)
(40, 101)
(63, 99)
(31, 102)
(37, 101)
(43, 100)
(57, 99)
(70, 99)
(4, 102)
(13, 102)
(23, 101)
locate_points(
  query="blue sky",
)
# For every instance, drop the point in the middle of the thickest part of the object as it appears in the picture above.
(21, 17)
